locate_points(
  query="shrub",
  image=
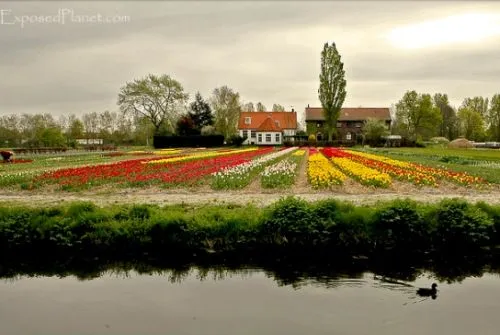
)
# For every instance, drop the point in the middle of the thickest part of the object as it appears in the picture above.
(312, 138)
(291, 221)
(461, 226)
(236, 140)
(401, 227)
(140, 212)
(345, 227)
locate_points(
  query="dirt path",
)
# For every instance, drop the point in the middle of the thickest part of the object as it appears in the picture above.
(301, 183)
(177, 196)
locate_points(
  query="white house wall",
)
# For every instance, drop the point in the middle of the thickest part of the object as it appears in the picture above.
(250, 140)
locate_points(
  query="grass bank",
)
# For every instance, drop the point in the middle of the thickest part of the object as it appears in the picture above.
(290, 227)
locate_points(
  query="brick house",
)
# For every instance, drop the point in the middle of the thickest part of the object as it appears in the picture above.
(349, 124)
(267, 128)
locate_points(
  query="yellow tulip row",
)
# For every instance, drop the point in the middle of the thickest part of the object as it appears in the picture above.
(299, 152)
(166, 151)
(321, 173)
(361, 173)
(383, 159)
(209, 154)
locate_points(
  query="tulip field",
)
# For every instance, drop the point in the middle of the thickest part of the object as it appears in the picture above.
(229, 169)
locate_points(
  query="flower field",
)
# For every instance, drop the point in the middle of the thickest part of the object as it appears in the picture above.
(179, 169)
(321, 173)
(283, 173)
(229, 169)
(241, 175)
(363, 174)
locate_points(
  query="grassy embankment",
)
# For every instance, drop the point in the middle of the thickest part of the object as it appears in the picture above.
(327, 229)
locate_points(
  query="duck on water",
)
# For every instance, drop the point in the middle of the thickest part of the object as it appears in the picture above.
(423, 292)
(428, 292)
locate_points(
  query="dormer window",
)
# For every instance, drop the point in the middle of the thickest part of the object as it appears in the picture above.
(277, 123)
(248, 120)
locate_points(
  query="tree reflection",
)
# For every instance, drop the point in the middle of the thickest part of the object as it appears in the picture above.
(284, 272)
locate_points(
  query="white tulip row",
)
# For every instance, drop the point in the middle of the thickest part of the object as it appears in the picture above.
(284, 167)
(243, 170)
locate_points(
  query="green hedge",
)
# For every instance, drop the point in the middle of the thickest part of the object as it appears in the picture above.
(291, 226)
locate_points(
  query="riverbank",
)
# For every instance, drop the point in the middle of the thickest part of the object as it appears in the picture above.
(291, 227)
(257, 198)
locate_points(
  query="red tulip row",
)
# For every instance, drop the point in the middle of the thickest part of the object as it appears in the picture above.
(134, 171)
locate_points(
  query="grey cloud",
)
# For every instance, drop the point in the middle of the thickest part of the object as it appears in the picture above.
(268, 51)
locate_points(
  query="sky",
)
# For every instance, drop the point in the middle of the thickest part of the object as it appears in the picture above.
(266, 51)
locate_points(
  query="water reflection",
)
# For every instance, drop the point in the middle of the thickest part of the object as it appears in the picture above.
(273, 298)
(389, 274)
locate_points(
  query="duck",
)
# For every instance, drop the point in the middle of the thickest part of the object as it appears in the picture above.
(427, 292)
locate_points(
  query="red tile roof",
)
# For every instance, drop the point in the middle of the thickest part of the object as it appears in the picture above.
(350, 114)
(286, 120)
(269, 125)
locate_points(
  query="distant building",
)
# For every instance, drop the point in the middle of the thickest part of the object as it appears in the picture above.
(267, 128)
(349, 124)
(90, 141)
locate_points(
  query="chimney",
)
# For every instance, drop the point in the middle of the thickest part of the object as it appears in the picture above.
(293, 110)
(307, 105)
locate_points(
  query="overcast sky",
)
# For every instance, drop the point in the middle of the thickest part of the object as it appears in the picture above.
(267, 51)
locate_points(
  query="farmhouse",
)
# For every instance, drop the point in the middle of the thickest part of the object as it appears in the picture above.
(267, 128)
(349, 124)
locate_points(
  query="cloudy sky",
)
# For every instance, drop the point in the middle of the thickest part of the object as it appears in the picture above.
(267, 51)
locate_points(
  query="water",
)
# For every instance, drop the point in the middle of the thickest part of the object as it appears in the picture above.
(245, 302)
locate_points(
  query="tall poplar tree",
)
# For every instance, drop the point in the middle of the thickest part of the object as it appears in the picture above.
(332, 85)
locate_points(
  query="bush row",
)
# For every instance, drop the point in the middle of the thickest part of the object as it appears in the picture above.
(160, 142)
(291, 226)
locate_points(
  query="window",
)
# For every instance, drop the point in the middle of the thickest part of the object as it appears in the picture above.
(253, 134)
(318, 125)
(268, 138)
(339, 125)
(245, 133)
(248, 120)
(260, 138)
(277, 123)
(348, 136)
(278, 138)
(359, 124)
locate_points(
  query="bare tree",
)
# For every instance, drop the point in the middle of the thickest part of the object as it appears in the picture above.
(159, 98)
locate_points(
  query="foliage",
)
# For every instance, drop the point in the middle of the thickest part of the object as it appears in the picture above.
(208, 130)
(332, 85)
(185, 126)
(84, 231)
(248, 107)
(400, 227)
(278, 108)
(259, 107)
(471, 124)
(236, 140)
(226, 106)
(159, 98)
(200, 113)
(374, 130)
(417, 116)
(449, 123)
(461, 225)
(494, 118)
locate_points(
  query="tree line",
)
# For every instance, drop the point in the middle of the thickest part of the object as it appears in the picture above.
(152, 105)
(421, 116)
